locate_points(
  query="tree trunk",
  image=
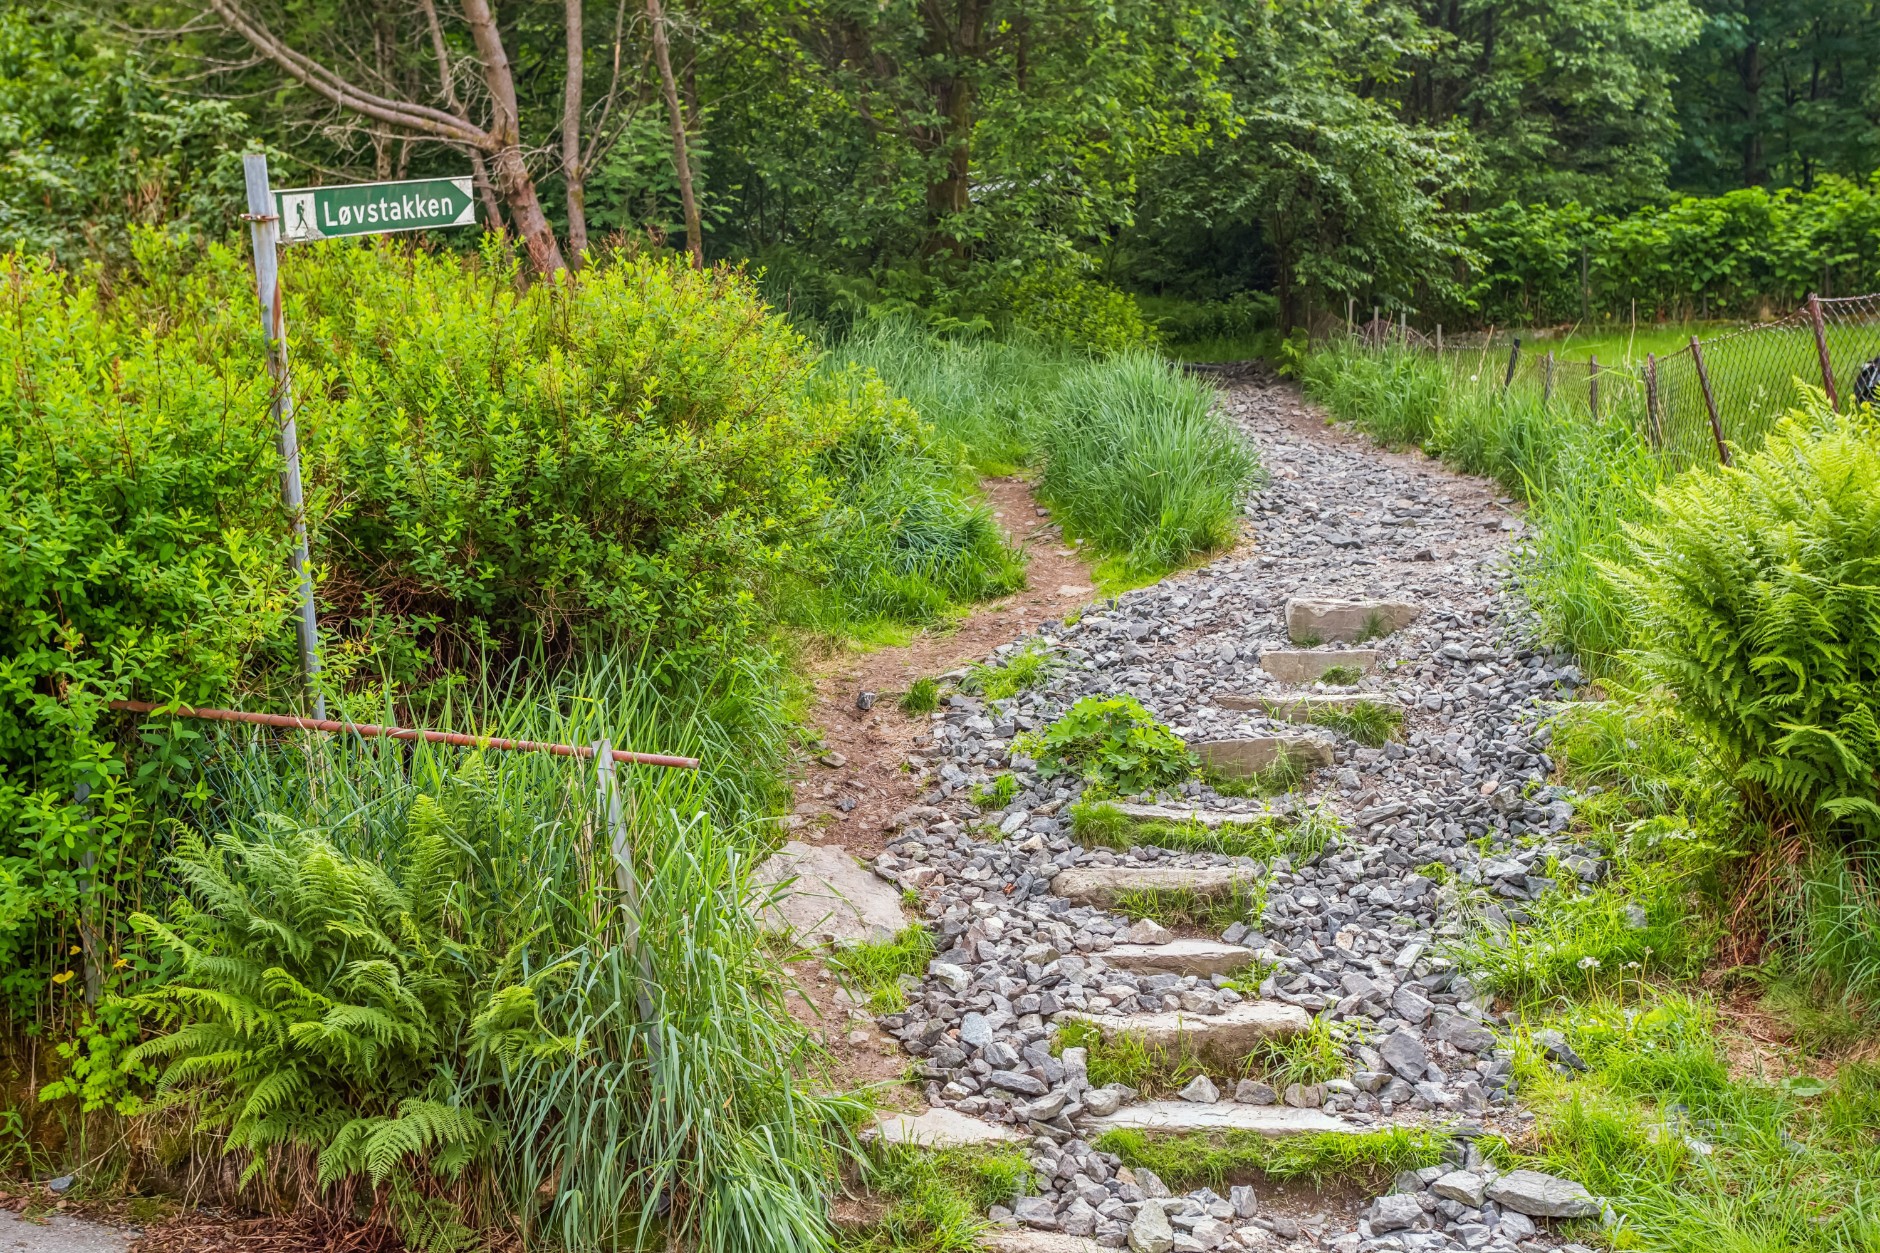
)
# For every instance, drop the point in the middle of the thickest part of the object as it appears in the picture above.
(573, 167)
(681, 160)
(513, 180)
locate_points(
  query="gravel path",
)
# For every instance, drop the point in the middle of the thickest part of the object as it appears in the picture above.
(1454, 817)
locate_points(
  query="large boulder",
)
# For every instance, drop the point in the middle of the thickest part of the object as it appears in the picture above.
(825, 895)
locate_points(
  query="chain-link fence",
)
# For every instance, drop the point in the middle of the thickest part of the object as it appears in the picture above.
(1698, 402)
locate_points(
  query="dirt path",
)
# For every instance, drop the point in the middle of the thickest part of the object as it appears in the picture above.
(873, 744)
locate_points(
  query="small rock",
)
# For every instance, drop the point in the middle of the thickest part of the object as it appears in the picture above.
(1554, 1044)
(1201, 1091)
(1405, 1054)
(1148, 931)
(1542, 1196)
(1395, 1212)
(1102, 1102)
(1461, 1185)
(1253, 1092)
(833, 759)
(865, 701)
(1151, 1233)
(1245, 1203)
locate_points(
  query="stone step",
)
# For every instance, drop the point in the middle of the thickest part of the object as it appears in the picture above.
(1223, 1038)
(1236, 759)
(1303, 708)
(829, 898)
(1210, 818)
(1099, 885)
(1303, 667)
(1179, 957)
(1312, 621)
(940, 1128)
(1175, 1117)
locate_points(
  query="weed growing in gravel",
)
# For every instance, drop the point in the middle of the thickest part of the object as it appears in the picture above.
(937, 1198)
(875, 970)
(1217, 1160)
(1184, 907)
(997, 794)
(1341, 676)
(922, 697)
(1127, 1060)
(1111, 741)
(1023, 670)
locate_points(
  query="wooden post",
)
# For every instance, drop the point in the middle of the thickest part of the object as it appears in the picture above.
(1439, 339)
(1514, 355)
(1821, 350)
(265, 231)
(1351, 304)
(1710, 402)
(1547, 380)
(1592, 385)
(1377, 313)
(1654, 428)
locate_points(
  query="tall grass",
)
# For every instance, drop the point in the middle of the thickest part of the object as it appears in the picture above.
(639, 1062)
(1137, 462)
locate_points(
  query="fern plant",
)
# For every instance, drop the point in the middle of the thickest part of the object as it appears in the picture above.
(325, 1004)
(1759, 590)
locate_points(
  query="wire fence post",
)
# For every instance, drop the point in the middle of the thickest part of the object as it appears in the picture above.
(1710, 402)
(1547, 380)
(1514, 355)
(264, 229)
(1821, 350)
(1439, 339)
(1592, 384)
(1654, 429)
(1377, 313)
(626, 877)
(1351, 305)
(1403, 332)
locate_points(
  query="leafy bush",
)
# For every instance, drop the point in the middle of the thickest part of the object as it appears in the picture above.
(1112, 741)
(1061, 306)
(1238, 317)
(1756, 603)
(1138, 464)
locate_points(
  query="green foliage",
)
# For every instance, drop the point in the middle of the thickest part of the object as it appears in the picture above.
(1138, 465)
(1185, 907)
(1341, 676)
(1312, 1056)
(1755, 601)
(1108, 740)
(1063, 307)
(1098, 824)
(876, 970)
(937, 1198)
(999, 793)
(1214, 1160)
(1020, 671)
(1371, 723)
(922, 696)
(1288, 770)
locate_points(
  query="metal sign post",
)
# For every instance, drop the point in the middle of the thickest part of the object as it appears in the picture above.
(264, 229)
(301, 215)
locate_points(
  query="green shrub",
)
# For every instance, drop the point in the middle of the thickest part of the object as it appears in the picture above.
(1027, 668)
(1109, 740)
(1061, 306)
(1139, 465)
(1756, 602)
(922, 696)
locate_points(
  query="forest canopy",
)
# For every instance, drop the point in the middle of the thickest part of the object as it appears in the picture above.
(932, 156)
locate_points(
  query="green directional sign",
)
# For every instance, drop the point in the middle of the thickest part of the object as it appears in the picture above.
(309, 213)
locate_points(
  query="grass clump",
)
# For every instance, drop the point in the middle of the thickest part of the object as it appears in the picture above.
(937, 1198)
(1100, 824)
(1111, 741)
(1185, 907)
(1341, 676)
(922, 697)
(1288, 771)
(1219, 1159)
(1125, 1059)
(997, 794)
(1370, 723)
(875, 971)
(1139, 465)
(1313, 1056)
(1025, 669)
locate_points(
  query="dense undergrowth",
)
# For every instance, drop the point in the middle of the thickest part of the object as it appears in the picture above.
(1727, 777)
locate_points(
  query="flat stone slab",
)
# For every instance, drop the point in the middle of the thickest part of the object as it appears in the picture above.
(1099, 885)
(61, 1233)
(1313, 621)
(1303, 667)
(1179, 957)
(1303, 708)
(1239, 758)
(1039, 1242)
(1175, 1117)
(941, 1128)
(1183, 813)
(1225, 1037)
(834, 899)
